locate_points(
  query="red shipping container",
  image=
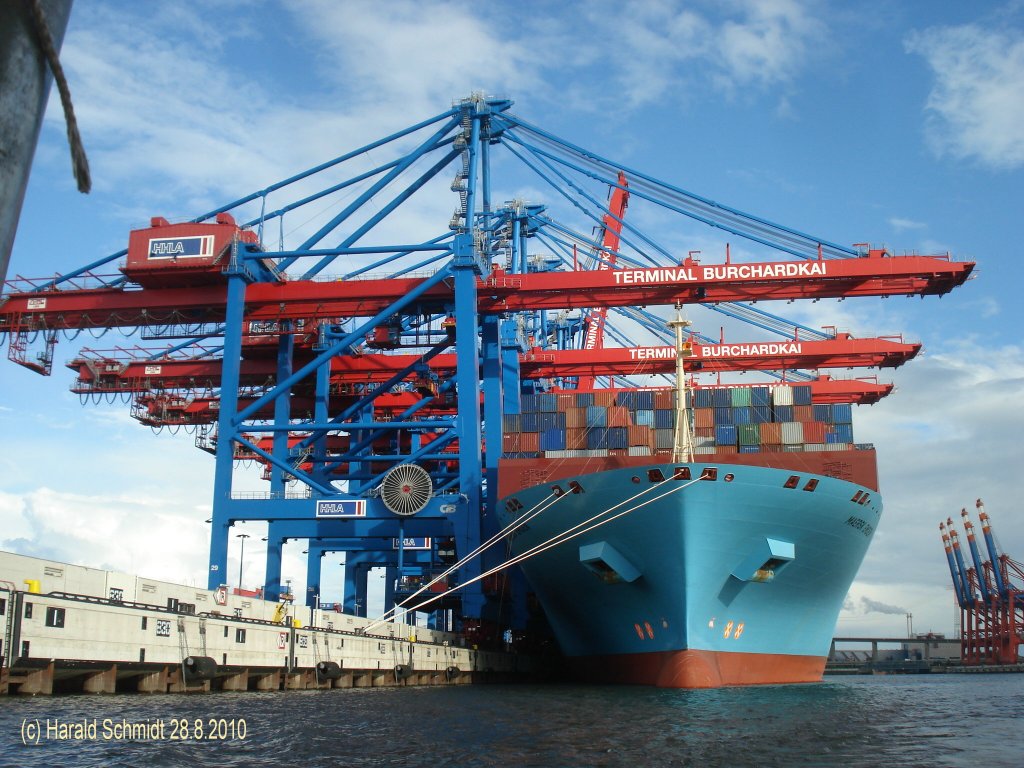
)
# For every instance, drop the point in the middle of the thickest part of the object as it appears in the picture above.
(815, 431)
(618, 416)
(576, 439)
(566, 401)
(529, 442)
(704, 432)
(804, 413)
(771, 433)
(703, 417)
(664, 400)
(575, 418)
(639, 435)
(604, 397)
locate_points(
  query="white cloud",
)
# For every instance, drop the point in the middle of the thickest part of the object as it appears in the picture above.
(943, 440)
(188, 133)
(157, 537)
(769, 43)
(419, 56)
(902, 225)
(976, 105)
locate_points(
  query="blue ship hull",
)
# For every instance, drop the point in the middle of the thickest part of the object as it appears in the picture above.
(698, 583)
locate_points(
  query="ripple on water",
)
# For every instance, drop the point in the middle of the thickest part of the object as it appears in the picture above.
(931, 721)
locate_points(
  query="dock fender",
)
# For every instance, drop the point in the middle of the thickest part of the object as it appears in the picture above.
(402, 671)
(328, 670)
(200, 668)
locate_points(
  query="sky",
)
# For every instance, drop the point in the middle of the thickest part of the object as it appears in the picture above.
(900, 124)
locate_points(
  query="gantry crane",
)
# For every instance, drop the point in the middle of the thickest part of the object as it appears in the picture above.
(990, 594)
(375, 398)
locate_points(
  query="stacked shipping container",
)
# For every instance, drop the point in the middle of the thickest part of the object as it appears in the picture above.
(642, 422)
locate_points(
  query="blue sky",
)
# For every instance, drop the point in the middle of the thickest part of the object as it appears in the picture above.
(896, 124)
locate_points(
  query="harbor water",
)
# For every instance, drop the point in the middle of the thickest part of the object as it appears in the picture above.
(923, 720)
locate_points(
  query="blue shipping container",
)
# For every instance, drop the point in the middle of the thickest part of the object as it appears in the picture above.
(552, 440)
(597, 438)
(644, 418)
(802, 395)
(528, 403)
(842, 413)
(664, 419)
(725, 434)
(597, 416)
(760, 396)
(784, 413)
(823, 413)
(510, 422)
(723, 398)
(703, 398)
(547, 402)
(750, 449)
(584, 399)
(529, 422)
(644, 401)
(618, 437)
(843, 433)
(723, 416)
(550, 421)
(762, 414)
(742, 415)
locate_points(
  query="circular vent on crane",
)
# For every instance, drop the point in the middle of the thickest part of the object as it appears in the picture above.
(406, 489)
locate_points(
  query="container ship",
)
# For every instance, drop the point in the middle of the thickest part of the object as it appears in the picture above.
(728, 567)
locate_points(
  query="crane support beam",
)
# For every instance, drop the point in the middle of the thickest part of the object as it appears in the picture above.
(875, 275)
(841, 352)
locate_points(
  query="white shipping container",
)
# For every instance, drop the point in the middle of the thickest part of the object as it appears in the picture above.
(639, 450)
(792, 432)
(816, 447)
(782, 395)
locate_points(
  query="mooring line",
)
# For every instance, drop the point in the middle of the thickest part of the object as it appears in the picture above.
(554, 541)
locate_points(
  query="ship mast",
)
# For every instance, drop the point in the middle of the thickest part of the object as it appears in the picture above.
(682, 444)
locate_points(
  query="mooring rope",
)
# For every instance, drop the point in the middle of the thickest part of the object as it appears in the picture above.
(529, 515)
(79, 162)
(561, 538)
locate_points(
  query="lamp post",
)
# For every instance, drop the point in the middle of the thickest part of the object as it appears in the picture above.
(241, 557)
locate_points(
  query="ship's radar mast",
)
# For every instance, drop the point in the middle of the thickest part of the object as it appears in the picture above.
(682, 446)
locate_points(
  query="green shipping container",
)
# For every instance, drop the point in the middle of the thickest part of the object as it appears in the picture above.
(740, 397)
(749, 434)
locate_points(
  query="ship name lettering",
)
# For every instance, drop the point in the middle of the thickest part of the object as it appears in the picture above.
(861, 525)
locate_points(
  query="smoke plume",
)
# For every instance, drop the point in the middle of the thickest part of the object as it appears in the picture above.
(873, 606)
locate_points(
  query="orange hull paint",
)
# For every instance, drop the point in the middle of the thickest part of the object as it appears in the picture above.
(699, 669)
